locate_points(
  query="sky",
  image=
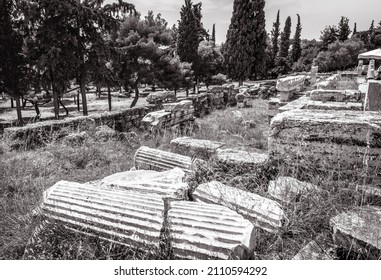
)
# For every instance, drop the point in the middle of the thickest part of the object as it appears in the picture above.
(314, 14)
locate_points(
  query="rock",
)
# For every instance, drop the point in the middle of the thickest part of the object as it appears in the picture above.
(177, 106)
(126, 217)
(249, 124)
(373, 97)
(203, 149)
(346, 141)
(335, 95)
(152, 159)
(319, 249)
(263, 212)
(288, 189)
(207, 231)
(160, 97)
(362, 224)
(238, 157)
(167, 184)
(292, 83)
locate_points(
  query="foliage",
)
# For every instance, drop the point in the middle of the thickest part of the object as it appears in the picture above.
(310, 50)
(12, 62)
(211, 60)
(285, 38)
(328, 36)
(275, 32)
(343, 29)
(339, 55)
(296, 48)
(246, 40)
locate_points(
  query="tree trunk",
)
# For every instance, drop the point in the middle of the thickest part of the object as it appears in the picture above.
(240, 82)
(83, 95)
(109, 97)
(198, 86)
(136, 98)
(66, 110)
(37, 109)
(78, 103)
(18, 108)
(56, 104)
(187, 91)
(12, 103)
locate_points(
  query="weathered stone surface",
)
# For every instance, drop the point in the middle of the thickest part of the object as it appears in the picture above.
(314, 71)
(152, 159)
(167, 184)
(187, 146)
(176, 113)
(336, 95)
(161, 97)
(328, 83)
(319, 249)
(292, 83)
(274, 105)
(371, 69)
(320, 105)
(126, 217)
(370, 194)
(104, 133)
(373, 98)
(348, 141)
(234, 156)
(208, 231)
(287, 189)
(202, 103)
(296, 104)
(285, 95)
(362, 224)
(263, 212)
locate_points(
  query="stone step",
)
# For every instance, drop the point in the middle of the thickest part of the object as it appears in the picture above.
(361, 224)
(263, 212)
(288, 189)
(126, 217)
(153, 159)
(204, 231)
(203, 149)
(242, 158)
(167, 184)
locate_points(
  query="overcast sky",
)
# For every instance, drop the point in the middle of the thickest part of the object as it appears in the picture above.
(315, 14)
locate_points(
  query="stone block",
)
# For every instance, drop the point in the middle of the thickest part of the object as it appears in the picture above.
(286, 95)
(203, 149)
(242, 158)
(119, 216)
(152, 159)
(291, 83)
(373, 97)
(358, 229)
(204, 231)
(167, 184)
(319, 249)
(346, 141)
(263, 212)
(288, 189)
(161, 97)
(336, 95)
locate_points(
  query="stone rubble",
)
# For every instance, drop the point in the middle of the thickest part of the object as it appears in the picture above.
(203, 231)
(263, 212)
(242, 158)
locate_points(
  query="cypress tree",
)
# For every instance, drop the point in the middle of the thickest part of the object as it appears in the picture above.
(296, 48)
(275, 32)
(285, 38)
(214, 33)
(246, 40)
(344, 29)
(354, 29)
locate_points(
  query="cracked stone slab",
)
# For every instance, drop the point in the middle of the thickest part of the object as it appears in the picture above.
(204, 231)
(263, 212)
(361, 224)
(234, 156)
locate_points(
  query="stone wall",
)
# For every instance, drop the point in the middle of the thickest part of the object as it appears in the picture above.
(345, 141)
(36, 134)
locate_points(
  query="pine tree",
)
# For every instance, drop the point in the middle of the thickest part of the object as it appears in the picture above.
(285, 38)
(354, 29)
(344, 29)
(371, 36)
(275, 32)
(296, 48)
(246, 40)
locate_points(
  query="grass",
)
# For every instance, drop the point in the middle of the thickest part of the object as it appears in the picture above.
(24, 175)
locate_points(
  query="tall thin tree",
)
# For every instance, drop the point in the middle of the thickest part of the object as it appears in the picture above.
(275, 32)
(344, 29)
(285, 38)
(246, 40)
(296, 47)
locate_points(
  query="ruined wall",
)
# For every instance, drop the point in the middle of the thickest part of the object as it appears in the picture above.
(346, 141)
